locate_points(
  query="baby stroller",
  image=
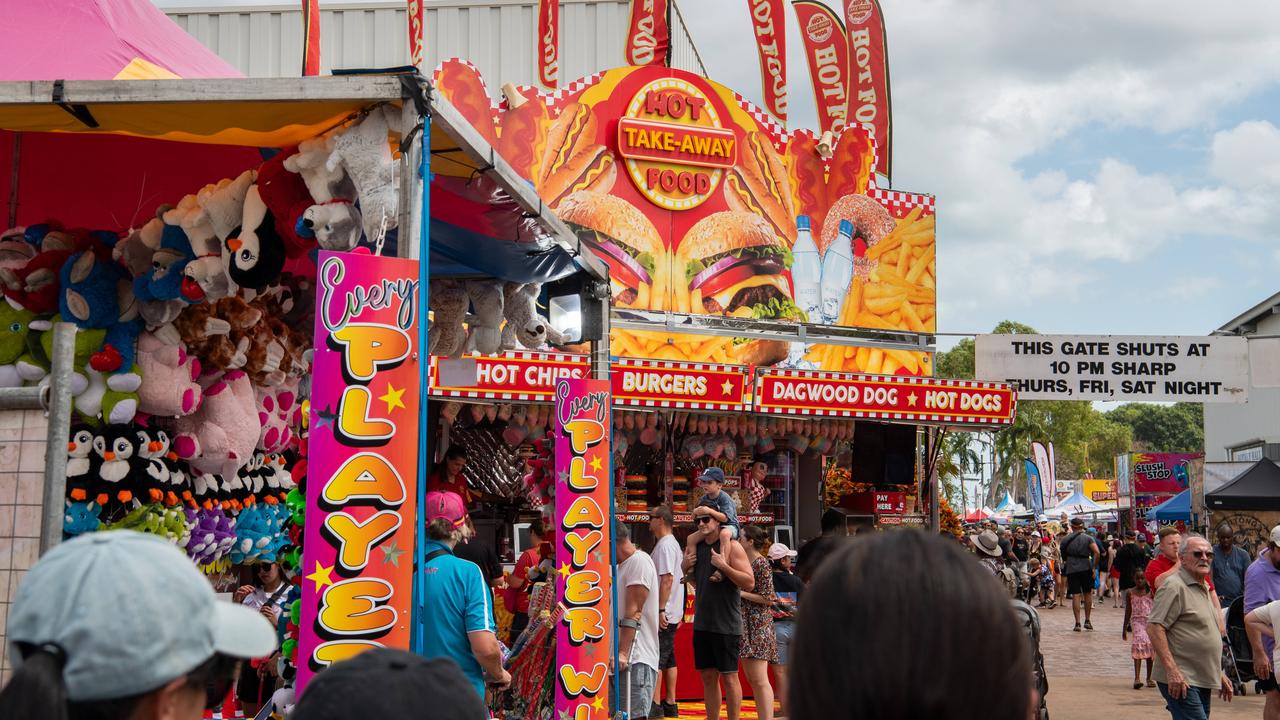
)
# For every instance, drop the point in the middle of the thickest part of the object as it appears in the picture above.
(1030, 620)
(1237, 653)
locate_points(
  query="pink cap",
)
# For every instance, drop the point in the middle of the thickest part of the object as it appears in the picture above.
(447, 505)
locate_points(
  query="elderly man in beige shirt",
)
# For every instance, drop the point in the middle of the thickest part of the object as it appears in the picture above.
(1186, 637)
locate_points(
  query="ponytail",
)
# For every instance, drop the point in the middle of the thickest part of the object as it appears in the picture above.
(36, 689)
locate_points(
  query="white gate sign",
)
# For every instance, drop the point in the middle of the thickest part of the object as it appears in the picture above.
(1127, 368)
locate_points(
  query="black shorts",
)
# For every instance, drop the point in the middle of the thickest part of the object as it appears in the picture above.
(1079, 583)
(713, 650)
(1269, 684)
(667, 646)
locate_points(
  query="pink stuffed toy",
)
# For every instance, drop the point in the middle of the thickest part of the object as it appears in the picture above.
(275, 435)
(221, 435)
(169, 387)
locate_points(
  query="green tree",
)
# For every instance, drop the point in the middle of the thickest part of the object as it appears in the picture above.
(1163, 428)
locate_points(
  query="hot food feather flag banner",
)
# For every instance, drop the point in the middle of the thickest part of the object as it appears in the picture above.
(826, 49)
(768, 20)
(549, 43)
(357, 561)
(584, 632)
(310, 38)
(649, 34)
(1048, 475)
(869, 97)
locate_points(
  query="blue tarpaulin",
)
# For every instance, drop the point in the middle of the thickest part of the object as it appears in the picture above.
(1175, 508)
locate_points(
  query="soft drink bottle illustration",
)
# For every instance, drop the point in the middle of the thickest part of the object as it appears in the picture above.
(837, 272)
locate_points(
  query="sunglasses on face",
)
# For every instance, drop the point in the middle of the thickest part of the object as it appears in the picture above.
(703, 519)
(1202, 554)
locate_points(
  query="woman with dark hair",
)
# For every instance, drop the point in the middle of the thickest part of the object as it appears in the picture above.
(530, 569)
(268, 597)
(121, 626)
(889, 630)
(448, 477)
(759, 645)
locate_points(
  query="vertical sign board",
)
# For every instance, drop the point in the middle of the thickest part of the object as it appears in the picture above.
(357, 555)
(583, 585)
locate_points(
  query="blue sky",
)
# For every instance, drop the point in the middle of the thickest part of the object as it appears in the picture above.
(1100, 166)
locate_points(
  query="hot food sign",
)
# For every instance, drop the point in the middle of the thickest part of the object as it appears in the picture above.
(675, 147)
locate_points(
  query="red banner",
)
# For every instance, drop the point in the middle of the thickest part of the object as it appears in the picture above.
(549, 43)
(883, 397)
(826, 48)
(769, 20)
(649, 35)
(310, 38)
(417, 29)
(869, 101)
(695, 386)
(524, 376)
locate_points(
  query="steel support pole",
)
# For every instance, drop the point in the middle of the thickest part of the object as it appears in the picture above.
(55, 453)
(419, 229)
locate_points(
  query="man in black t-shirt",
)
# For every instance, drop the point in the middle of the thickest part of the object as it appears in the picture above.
(834, 531)
(480, 553)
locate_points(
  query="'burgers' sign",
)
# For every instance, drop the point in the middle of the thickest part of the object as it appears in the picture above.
(721, 212)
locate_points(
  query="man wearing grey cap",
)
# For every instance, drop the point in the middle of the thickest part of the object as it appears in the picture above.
(120, 617)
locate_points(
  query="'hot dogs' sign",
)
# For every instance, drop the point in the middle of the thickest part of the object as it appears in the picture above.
(884, 397)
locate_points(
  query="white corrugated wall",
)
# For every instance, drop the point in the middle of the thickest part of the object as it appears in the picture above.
(496, 35)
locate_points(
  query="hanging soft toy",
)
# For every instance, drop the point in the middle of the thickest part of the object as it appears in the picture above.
(363, 150)
(447, 336)
(485, 321)
(208, 218)
(95, 396)
(333, 219)
(81, 518)
(254, 252)
(524, 324)
(120, 468)
(15, 325)
(163, 290)
(15, 251)
(275, 434)
(36, 286)
(170, 375)
(221, 435)
(98, 295)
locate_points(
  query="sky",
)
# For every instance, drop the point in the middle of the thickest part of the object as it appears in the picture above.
(1099, 166)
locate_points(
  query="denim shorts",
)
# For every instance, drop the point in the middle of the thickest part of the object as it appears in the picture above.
(784, 631)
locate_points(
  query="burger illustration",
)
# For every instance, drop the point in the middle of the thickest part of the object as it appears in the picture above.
(626, 241)
(735, 265)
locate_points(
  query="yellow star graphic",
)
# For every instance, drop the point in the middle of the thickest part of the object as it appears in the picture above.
(564, 569)
(393, 398)
(322, 577)
(598, 703)
(911, 399)
(727, 387)
(596, 464)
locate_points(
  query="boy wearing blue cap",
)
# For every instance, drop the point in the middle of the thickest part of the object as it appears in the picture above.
(717, 504)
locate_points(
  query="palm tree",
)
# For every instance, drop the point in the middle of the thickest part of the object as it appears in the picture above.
(956, 458)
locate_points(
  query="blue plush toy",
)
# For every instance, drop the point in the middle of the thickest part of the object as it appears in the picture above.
(161, 289)
(97, 294)
(80, 518)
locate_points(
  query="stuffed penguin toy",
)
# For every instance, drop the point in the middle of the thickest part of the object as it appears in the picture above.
(254, 252)
(82, 463)
(117, 447)
(155, 472)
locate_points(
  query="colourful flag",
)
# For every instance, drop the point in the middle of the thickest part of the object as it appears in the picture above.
(1035, 494)
(768, 20)
(549, 43)
(826, 48)
(310, 38)
(869, 99)
(649, 35)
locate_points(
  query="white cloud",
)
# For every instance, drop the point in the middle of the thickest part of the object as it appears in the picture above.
(1248, 155)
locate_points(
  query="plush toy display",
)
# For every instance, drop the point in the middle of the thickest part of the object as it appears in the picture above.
(363, 151)
(99, 295)
(162, 289)
(447, 336)
(220, 436)
(333, 219)
(524, 324)
(485, 320)
(171, 388)
(15, 325)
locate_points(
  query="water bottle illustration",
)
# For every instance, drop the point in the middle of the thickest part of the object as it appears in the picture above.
(837, 272)
(806, 271)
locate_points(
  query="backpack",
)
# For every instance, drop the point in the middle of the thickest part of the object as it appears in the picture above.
(1005, 575)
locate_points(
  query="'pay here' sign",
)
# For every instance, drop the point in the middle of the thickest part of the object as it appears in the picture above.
(1115, 367)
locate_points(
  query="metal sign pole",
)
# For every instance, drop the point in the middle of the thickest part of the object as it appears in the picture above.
(55, 454)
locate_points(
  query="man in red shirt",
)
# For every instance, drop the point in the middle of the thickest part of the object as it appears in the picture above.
(528, 571)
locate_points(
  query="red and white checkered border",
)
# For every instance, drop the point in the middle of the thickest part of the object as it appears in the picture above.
(680, 405)
(765, 119)
(558, 98)
(903, 202)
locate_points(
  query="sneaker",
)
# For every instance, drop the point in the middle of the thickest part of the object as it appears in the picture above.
(1088, 625)
(671, 710)
(1076, 628)
(655, 711)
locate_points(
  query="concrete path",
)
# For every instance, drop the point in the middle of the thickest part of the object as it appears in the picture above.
(1091, 673)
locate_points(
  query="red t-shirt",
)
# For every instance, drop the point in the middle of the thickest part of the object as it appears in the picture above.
(530, 558)
(437, 483)
(1160, 566)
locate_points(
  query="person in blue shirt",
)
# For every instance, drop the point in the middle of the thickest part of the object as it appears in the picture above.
(1229, 566)
(457, 605)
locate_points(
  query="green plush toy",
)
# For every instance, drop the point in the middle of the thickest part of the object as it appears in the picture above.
(98, 397)
(15, 324)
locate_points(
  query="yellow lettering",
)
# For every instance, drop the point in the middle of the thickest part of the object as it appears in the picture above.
(579, 480)
(354, 423)
(365, 476)
(584, 623)
(356, 539)
(583, 511)
(369, 347)
(583, 434)
(339, 650)
(582, 544)
(577, 683)
(583, 588)
(356, 607)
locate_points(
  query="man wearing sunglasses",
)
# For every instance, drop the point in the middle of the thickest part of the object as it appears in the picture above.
(1186, 636)
(719, 573)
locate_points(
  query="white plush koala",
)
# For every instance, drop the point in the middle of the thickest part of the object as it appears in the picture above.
(486, 318)
(335, 224)
(447, 337)
(524, 324)
(364, 152)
